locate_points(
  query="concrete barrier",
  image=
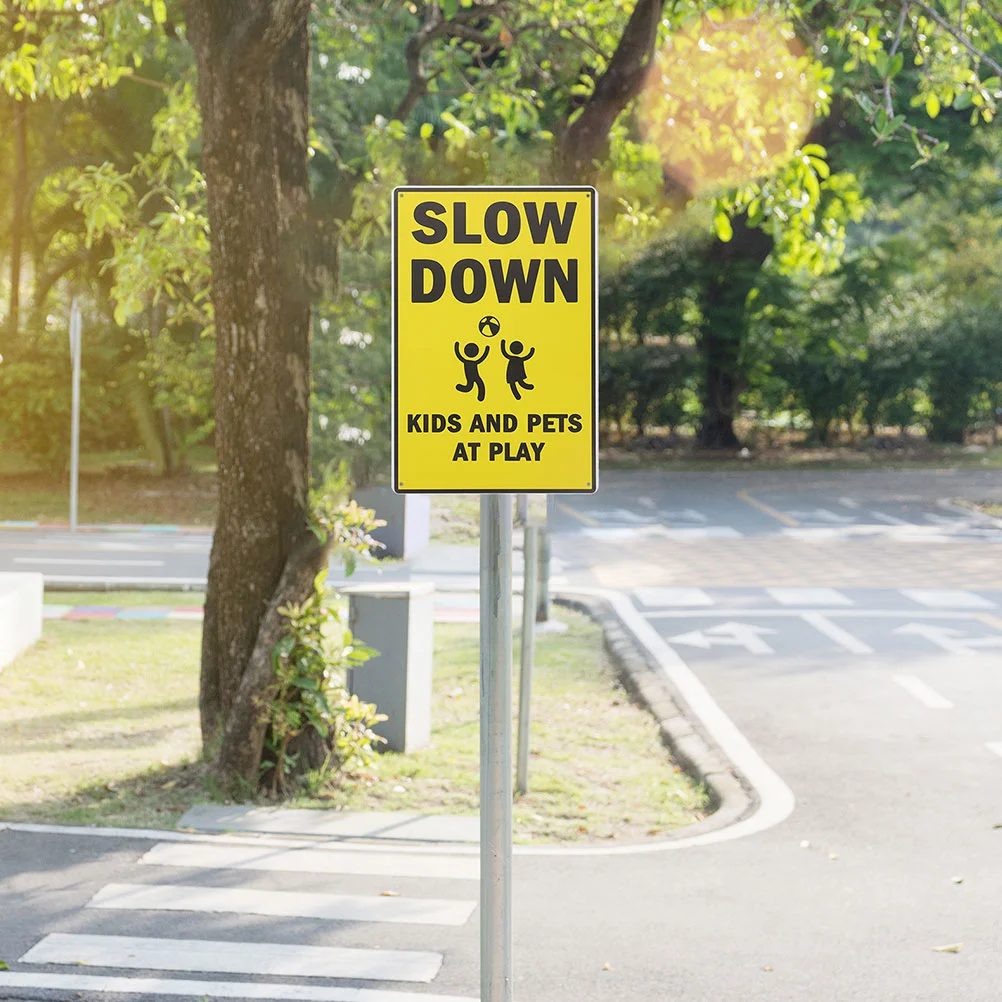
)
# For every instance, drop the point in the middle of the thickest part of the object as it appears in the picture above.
(20, 613)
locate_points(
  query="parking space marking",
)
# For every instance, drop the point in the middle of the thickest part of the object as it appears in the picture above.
(830, 597)
(767, 509)
(947, 598)
(924, 693)
(835, 632)
(672, 597)
(888, 519)
(994, 746)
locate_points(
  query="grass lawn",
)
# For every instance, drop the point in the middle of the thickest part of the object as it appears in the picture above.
(99, 725)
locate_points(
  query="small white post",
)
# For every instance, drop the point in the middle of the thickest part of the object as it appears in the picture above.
(75, 346)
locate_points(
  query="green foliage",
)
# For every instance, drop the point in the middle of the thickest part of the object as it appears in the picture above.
(310, 706)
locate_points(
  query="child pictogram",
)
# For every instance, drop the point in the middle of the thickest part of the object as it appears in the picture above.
(515, 374)
(471, 368)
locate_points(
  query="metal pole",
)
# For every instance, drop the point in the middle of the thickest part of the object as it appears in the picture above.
(522, 509)
(75, 339)
(530, 573)
(543, 601)
(495, 749)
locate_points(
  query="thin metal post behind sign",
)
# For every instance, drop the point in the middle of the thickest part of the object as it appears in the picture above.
(495, 748)
(529, 575)
(75, 346)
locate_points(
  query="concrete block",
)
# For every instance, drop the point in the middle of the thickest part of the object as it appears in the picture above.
(20, 613)
(397, 620)
(408, 520)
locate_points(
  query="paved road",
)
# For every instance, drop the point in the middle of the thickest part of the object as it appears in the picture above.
(865, 669)
(665, 526)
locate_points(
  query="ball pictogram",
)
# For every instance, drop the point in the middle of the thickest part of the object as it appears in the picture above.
(489, 326)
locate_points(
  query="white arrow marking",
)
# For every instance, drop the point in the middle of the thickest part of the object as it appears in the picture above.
(949, 639)
(728, 635)
(822, 515)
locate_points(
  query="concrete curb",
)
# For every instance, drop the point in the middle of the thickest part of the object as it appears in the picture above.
(704, 763)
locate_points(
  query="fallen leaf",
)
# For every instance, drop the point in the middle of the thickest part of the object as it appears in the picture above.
(952, 948)
(607, 966)
(4, 966)
(390, 894)
(768, 967)
(833, 855)
(957, 880)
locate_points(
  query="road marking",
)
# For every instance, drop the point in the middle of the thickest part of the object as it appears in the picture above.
(767, 509)
(244, 901)
(672, 597)
(82, 562)
(130, 582)
(217, 857)
(848, 503)
(728, 635)
(188, 988)
(809, 596)
(201, 955)
(923, 693)
(835, 632)
(948, 639)
(889, 519)
(994, 746)
(947, 598)
(824, 515)
(580, 516)
(698, 532)
(840, 612)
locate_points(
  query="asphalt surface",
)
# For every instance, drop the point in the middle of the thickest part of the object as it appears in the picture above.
(860, 655)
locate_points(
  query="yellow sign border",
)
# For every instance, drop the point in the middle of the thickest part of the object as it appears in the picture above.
(594, 329)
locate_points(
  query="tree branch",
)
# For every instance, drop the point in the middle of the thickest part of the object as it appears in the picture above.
(959, 34)
(619, 84)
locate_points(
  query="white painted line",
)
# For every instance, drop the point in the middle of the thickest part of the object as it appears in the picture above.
(188, 988)
(923, 693)
(994, 746)
(776, 800)
(126, 582)
(311, 860)
(785, 613)
(835, 632)
(848, 503)
(87, 562)
(662, 597)
(881, 516)
(809, 596)
(244, 901)
(201, 955)
(700, 532)
(947, 598)
(188, 614)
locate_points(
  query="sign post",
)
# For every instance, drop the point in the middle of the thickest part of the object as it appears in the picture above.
(75, 347)
(494, 393)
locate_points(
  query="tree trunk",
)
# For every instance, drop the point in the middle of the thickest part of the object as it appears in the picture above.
(19, 196)
(583, 142)
(253, 64)
(735, 267)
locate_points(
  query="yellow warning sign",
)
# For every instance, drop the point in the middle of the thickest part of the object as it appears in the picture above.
(494, 340)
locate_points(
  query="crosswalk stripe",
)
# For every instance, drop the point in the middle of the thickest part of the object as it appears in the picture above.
(225, 957)
(829, 597)
(947, 598)
(253, 901)
(187, 988)
(311, 860)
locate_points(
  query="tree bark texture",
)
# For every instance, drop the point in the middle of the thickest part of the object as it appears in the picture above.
(19, 197)
(582, 143)
(253, 66)
(735, 267)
